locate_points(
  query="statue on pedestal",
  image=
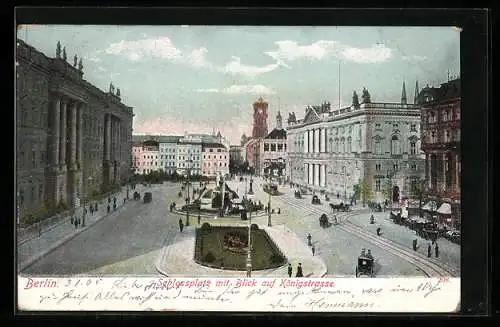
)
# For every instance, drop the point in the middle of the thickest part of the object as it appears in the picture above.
(75, 60)
(111, 88)
(58, 50)
(355, 100)
(64, 54)
(118, 92)
(80, 65)
(365, 96)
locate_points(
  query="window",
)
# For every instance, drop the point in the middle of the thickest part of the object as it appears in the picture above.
(377, 185)
(349, 144)
(266, 147)
(445, 115)
(211, 150)
(377, 167)
(378, 147)
(432, 117)
(447, 136)
(395, 166)
(273, 147)
(414, 167)
(433, 137)
(280, 147)
(395, 146)
(413, 128)
(413, 148)
(394, 126)
(218, 150)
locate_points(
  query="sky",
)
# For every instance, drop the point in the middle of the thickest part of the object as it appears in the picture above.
(197, 79)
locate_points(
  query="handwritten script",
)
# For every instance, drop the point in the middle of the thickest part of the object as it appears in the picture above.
(239, 294)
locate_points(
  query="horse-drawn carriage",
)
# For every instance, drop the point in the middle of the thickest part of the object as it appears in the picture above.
(365, 264)
(323, 221)
(137, 196)
(340, 207)
(315, 200)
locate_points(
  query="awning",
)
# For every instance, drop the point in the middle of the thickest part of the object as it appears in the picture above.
(444, 209)
(430, 206)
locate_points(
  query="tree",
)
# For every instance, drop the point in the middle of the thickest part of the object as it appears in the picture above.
(244, 139)
(362, 191)
(418, 189)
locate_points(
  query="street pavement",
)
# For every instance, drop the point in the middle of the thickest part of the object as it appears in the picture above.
(127, 242)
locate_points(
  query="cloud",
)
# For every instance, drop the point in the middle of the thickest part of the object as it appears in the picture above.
(290, 50)
(101, 69)
(241, 89)
(161, 48)
(414, 58)
(94, 59)
(236, 67)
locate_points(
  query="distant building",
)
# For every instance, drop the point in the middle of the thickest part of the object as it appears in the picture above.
(259, 131)
(168, 152)
(374, 143)
(189, 156)
(440, 119)
(236, 153)
(273, 151)
(215, 159)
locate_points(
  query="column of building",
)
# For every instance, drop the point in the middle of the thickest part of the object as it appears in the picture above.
(428, 170)
(444, 168)
(56, 122)
(457, 173)
(62, 139)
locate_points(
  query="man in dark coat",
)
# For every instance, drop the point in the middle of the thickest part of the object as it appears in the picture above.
(290, 270)
(199, 219)
(436, 250)
(313, 249)
(299, 271)
(181, 225)
(309, 237)
(429, 251)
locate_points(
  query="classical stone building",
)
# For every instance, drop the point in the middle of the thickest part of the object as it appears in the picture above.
(441, 143)
(273, 151)
(72, 138)
(374, 143)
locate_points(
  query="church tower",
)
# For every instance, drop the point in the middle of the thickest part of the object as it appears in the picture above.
(279, 121)
(403, 95)
(259, 118)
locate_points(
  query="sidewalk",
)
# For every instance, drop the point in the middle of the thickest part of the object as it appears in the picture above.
(177, 260)
(31, 250)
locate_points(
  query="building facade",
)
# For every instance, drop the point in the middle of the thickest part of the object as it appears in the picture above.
(440, 119)
(273, 151)
(168, 152)
(215, 160)
(373, 144)
(236, 154)
(253, 145)
(189, 156)
(73, 139)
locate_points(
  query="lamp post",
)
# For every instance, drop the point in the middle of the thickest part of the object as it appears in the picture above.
(188, 171)
(389, 191)
(249, 250)
(269, 209)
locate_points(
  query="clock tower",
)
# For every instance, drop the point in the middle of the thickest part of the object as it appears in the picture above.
(259, 118)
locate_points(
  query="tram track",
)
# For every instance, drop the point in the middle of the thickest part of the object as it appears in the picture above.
(429, 267)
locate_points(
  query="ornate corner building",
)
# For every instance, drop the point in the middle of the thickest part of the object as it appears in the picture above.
(73, 140)
(372, 143)
(440, 118)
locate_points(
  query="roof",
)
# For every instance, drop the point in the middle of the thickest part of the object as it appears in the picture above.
(213, 145)
(158, 138)
(276, 134)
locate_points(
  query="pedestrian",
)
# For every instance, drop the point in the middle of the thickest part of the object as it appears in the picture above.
(91, 209)
(95, 207)
(429, 251)
(181, 225)
(279, 211)
(109, 208)
(76, 223)
(114, 206)
(72, 220)
(309, 237)
(313, 249)
(415, 245)
(199, 219)
(124, 200)
(378, 231)
(290, 270)
(299, 271)
(437, 250)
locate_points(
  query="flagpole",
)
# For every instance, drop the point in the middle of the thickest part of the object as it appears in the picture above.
(339, 84)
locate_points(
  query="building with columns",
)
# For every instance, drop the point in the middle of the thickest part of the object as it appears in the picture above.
(440, 118)
(235, 154)
(373, 143)
(73, 139)
(273, 151)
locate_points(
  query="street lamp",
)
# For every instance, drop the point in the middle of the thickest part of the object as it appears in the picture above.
(269, 208)
(249, 250)
(188, 197)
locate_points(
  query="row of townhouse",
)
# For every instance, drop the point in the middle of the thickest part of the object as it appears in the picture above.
(191, 154)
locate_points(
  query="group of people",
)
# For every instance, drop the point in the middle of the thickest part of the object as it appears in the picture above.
(299, 272)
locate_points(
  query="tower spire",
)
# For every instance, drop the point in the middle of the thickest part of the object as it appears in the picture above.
(403, 95)
(415, 98)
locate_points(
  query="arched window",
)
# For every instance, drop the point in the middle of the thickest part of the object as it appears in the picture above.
(337, 146)
(343, 145)
(395, 145)
(349, 145)
(377, 146)
(413, 147)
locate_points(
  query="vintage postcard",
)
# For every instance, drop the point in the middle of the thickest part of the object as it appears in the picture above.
(238, 168)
